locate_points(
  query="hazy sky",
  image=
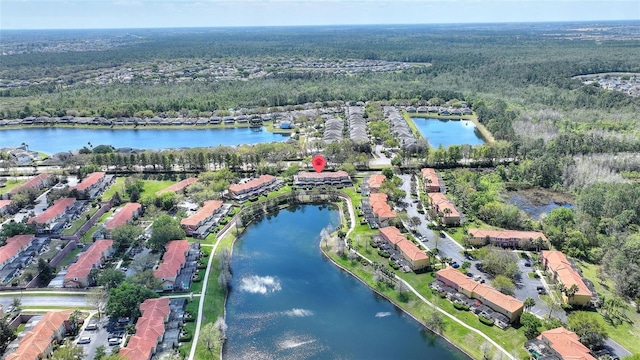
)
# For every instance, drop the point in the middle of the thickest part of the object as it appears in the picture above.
(72, 14)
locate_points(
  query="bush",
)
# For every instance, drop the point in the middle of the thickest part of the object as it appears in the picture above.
(384, 254)
(484, 320)
(459, 306)
(394, 265)
(373, 244)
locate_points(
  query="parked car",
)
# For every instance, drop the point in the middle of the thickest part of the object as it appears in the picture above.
(84, 340)
(455, 265)
(114, 341)
(92, 326)
(541, 290)
(527, 264)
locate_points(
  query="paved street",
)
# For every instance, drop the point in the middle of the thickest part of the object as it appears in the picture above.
(46, 300)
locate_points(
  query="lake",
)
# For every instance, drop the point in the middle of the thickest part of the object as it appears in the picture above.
(52, 140)
(448, 132)
(289, 302)
(538, 209)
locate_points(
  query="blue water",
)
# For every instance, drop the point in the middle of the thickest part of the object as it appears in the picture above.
(54, 140)
(448, 132)
(288, 302)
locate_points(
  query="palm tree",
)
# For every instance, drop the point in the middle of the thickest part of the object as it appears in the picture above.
(529, 303)
(571, 291)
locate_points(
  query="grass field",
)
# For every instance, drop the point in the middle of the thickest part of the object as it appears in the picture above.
(152, 186)
(118, 186)
(10, 185)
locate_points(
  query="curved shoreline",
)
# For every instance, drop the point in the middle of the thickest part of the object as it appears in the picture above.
(264, 127)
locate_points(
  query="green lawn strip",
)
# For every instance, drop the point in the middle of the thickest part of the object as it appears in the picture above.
(44, 308)
(412, 125)
(80, 221)
(626, 334)
(88, 236)
(70, 256)
(271, 128)
(189, 326)
(284, 190)
(152, 186)
(11, 184)
(117, 186)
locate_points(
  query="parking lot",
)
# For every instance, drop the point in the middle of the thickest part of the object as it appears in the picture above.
(104, 331)
(528, 287)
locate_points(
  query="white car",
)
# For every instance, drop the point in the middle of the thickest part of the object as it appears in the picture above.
(84, 340)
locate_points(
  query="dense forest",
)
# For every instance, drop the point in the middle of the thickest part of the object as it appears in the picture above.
(561, 134)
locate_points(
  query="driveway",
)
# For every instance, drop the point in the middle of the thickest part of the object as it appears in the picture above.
(98, 337)
(527, 287)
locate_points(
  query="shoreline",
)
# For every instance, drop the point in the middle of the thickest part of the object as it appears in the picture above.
(265, 127)
(484, 132)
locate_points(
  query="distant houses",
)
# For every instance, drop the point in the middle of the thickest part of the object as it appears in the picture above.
(410, 251)
(310, 180)
(13, 247)
(77, 275)
(92, 185)
(556, 264)
(253, 188)
(5, 207)
(445, 209)
(375, 182)
(506, 238)
(179, 186)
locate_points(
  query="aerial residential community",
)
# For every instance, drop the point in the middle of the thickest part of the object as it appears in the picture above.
(277, 202)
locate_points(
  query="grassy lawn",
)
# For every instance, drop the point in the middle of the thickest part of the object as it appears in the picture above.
(87, 238)
(11, 184)
(70, 256)
(80, 221)
(152, 186)
(118, 186)
(412, 125)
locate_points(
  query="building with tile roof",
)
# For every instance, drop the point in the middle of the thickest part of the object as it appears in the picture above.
(177, 186)
(504, 304)
(5, 207)
(38, 343)
(77, 275)
(410, 251)
(375, 181)
(445, 208)
(13, 247)
(309, 180)
(52, 214)
(564, 272)
(37, 182)
(208, 210)
(123, 216)
(430, 180)
(381, 209)
(89, 182)
(173, 260)
(253, 187)
(564, 345)
(504, 238)
(150, 330)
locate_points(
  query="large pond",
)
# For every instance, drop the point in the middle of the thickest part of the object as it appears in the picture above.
(288, 302)
(448, 132)
(58, 139)
(536, 209)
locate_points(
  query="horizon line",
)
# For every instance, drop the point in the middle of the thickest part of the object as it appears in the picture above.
(333, 25)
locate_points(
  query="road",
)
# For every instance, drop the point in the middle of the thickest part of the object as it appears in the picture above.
(380, 158)
(45, 300)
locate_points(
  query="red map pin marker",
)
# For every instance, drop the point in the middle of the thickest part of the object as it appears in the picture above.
(318, 162)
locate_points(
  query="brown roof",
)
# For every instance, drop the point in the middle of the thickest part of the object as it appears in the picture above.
(204, 212)
(380, 207)
(172, 259)
(507, 234)
(177, 186)
(411, 250)
(36, 341)
(492, 295)
(31, 183)
(566, 273)
(443, 203)
(58, 208)
(430, 174)
(323, 175)
(566, 343)
(375, 181)
(89, 181)
(149, 329)
(5, 203)
(13, 246)
(392, 234)
(122, 216)
(252, 184)
(88, 259)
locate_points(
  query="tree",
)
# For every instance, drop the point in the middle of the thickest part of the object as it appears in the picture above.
(500, 262)
(388, 173)
(170, 355)
(13, 228)
(101, 352)
(16, 303)
(125, 300)
(97, 298)
(503, 284)
(571, 291)
(531, 325)
(210, 339)
(125, 235)
(164, 229)
(147, 279)
(75, 322)
(111, 278)
(403, 291)
(69, 351)
(47, 272)
(529, 303)
(6, 333)
(435, 321)
(590, 329)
